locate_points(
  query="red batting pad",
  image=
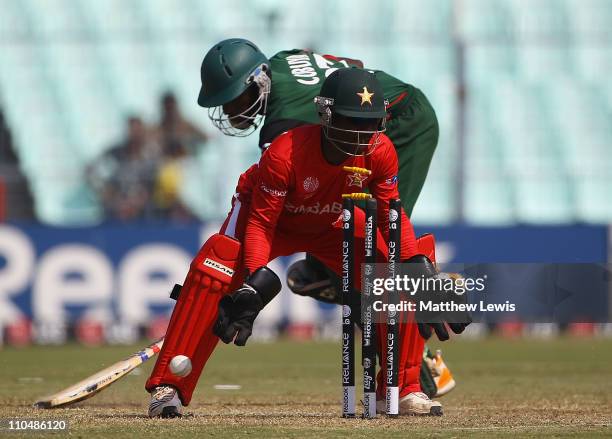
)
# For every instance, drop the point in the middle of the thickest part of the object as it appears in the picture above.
(411, 343)
(190, 329)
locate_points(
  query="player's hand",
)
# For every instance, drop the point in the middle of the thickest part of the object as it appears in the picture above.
(237, 313)
(459, 320)
(309, 277)
(238, 310)
(436, 321)
(425, 329)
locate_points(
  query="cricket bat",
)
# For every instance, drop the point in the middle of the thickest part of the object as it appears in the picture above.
(99, 381)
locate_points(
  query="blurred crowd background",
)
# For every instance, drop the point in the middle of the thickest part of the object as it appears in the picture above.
(99, 125)
(522, 89)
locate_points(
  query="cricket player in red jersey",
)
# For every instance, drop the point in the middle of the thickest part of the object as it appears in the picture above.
(242, 89)
(291, 202)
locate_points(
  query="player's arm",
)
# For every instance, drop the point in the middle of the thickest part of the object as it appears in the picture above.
(384, 187)
(238, 310)
(267, 202)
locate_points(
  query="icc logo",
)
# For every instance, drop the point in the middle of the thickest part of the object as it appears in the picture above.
(393, 215)
(346, 215)
(366, 363)
(346, 311)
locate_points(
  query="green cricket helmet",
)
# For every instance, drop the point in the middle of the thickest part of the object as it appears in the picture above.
(228, 70)
(357, 94)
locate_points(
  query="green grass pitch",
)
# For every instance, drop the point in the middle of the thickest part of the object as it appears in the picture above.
(506, 388)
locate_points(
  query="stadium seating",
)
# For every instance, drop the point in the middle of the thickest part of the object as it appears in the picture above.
(538, 99)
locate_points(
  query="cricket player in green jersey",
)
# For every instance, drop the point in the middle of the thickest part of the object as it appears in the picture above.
(244, 90)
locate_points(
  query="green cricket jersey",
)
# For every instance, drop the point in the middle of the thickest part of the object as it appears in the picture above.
(297, 76)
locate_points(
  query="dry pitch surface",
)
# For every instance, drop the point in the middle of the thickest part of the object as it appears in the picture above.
(518, 388)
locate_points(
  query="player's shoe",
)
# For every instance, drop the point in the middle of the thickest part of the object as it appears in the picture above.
(165, 403)
(414, 404)
(442, 375)
(417, 403)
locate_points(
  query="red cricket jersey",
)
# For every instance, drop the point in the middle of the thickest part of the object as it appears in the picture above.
(295, 190)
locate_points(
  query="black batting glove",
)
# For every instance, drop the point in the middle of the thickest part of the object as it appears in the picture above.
(238, 310)
(429, 322)
(425, 329)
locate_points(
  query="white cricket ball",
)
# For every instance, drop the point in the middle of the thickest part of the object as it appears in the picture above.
(180, 366)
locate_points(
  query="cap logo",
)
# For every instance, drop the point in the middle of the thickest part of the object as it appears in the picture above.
(366, 96)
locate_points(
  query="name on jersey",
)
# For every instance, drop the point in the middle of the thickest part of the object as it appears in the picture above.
(302, 68)
(315, 209)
